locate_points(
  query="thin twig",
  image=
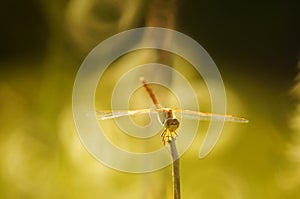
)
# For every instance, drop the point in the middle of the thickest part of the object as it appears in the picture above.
(176, 169)
(165, 17)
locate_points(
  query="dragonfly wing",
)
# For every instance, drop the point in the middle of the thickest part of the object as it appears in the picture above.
(195, 115)
(104, 115)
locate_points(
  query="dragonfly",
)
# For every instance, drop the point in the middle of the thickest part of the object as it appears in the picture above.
(168, 116)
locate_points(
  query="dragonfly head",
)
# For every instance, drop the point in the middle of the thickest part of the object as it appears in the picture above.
(171, 123)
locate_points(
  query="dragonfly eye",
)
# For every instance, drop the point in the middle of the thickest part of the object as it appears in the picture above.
(171, 124)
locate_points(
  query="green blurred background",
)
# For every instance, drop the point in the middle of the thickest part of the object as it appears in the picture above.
(255, 45)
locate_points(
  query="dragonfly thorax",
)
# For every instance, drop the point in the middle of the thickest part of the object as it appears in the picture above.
(171, 123)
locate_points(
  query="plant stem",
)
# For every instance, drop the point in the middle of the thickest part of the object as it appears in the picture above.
(176, 169)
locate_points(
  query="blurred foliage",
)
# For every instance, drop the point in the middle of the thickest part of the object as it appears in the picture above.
(42, 47)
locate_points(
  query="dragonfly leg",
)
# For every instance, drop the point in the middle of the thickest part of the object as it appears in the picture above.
(168, 136)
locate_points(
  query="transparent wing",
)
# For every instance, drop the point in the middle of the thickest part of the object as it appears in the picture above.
(195, 115)
(104, 115)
